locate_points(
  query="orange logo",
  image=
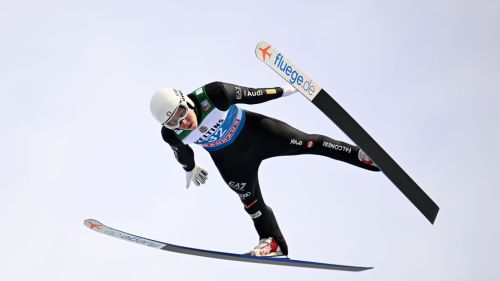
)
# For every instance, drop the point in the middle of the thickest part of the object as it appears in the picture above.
(264, 52)
(95, 225)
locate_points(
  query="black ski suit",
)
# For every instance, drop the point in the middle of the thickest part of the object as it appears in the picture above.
(260, 138)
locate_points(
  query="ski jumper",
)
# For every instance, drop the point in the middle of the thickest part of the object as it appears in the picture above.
(239, 140)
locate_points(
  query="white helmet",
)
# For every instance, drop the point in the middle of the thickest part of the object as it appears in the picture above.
(165, 103)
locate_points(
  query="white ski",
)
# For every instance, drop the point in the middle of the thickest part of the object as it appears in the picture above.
(99, 227)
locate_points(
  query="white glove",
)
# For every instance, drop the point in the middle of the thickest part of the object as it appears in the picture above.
(288, 90)
(198, 176)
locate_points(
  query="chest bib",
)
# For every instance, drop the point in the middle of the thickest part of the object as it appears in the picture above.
(216, 129)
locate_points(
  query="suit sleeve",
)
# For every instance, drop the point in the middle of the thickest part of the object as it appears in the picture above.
(183, 152)
(223, 95)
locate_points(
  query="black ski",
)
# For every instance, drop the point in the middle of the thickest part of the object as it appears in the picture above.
(321, 99)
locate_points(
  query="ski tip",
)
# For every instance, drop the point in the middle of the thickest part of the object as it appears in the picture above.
(261, 49)
(93, 224)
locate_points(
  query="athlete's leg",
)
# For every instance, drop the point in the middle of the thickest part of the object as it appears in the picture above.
(279, 139)
(240, 174)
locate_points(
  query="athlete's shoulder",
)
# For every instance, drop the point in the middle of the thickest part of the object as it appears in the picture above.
(220, 94)
(215, 88)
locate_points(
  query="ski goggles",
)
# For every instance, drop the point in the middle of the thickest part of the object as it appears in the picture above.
(175, 119)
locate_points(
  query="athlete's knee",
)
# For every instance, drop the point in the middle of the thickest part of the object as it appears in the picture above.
(316, 138)
(305, 141)
(246, 190)
(255, 208)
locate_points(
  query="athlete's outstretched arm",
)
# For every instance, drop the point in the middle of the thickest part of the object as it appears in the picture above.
(223, 95)
(183, 153)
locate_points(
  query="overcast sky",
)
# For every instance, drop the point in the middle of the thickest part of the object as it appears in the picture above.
(78, 140)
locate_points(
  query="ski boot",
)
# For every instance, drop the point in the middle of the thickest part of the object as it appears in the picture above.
(267, 247)
(363, 157)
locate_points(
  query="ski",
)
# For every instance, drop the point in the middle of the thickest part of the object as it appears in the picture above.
(322, 100)
(101, 228)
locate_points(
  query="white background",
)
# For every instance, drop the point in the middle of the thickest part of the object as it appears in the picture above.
(78, 140)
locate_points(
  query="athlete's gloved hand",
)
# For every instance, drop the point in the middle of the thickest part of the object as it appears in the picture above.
(288, 90)
(198, 176)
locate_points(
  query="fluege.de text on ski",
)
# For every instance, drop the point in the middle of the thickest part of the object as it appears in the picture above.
(294, 76)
